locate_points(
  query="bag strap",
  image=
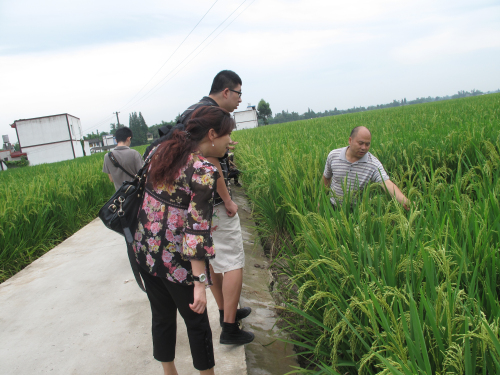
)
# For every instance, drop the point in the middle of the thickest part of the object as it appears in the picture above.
(186, 115)
(128, 233)
(141, 171)
(117, 165)
(135, 267)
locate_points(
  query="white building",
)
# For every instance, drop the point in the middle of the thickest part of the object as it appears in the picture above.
(90, 144)
(49, 139)
(109, 140)
(246, 119)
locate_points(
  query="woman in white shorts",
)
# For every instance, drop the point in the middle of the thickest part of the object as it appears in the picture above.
(227, 266)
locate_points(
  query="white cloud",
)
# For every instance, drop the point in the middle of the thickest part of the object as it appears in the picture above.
(295, 54)
(446, 44)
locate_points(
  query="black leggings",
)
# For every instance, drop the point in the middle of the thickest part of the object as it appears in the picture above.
(165, 298)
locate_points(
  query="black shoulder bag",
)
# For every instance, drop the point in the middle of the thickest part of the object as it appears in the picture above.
(120, 212)
(117, 165)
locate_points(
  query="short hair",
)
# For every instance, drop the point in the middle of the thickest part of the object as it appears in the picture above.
(122, 134)
(354, 131)
(225, 79)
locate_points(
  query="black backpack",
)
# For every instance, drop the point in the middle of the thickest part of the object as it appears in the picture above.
(166, 131)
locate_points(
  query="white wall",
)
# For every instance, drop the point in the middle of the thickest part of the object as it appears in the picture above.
(246, 119)
(86, 147)
(108, 140)
(5, 154)
(75, 127)
(78, 149)
(47, 139)
(50, 153)
(42, 130)
(3, 167)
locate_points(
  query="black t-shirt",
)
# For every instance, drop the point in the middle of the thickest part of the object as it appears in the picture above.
(181, 124)
(186, 115)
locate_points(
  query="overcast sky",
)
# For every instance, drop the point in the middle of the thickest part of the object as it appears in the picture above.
(91, 58)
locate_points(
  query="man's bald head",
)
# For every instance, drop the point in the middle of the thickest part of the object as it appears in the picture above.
(359, 143)
(357, 129)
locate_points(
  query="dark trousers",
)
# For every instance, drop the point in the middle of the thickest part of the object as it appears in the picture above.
(233, 174)
(165, 298)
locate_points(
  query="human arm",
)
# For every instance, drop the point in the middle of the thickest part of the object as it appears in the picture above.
(197, 243)
(328, 172)
(394, 191)
(327, 182)
(200, 296)
(231, 207)
(105, 167)
(139, 162)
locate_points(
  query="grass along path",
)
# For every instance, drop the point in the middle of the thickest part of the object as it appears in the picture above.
(41, 206)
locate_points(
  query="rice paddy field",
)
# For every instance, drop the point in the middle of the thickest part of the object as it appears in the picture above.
(40, 206)
(369, 290)
(377, 289)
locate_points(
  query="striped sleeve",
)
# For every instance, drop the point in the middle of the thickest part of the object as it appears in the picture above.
(379, 174)
(328, 166)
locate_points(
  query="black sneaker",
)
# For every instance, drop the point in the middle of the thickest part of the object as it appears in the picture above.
(240, 314)
(232, 334)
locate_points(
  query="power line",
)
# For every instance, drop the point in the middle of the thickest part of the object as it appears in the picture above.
(145, 95)
(220, 32)
(206, 45)
(201, 19)
(173, 53)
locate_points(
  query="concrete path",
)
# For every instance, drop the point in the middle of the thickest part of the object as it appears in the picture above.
(77, 310)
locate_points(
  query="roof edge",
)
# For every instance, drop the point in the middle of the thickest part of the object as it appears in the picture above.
(36, 118)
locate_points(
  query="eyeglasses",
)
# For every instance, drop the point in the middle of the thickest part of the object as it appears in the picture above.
(237, 92)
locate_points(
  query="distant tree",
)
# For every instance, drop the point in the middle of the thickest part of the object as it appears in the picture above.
(114, 127)
(139, 129)
(264, 111)
(144, 129)
(16, 147)
(153, 129)
(309, 114)
(94, 135)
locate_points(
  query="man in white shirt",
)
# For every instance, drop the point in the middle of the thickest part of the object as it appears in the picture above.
(354, 166)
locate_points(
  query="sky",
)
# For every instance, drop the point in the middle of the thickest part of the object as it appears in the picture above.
(91, 58)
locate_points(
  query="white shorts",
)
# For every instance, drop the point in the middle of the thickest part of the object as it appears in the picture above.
(228, 242)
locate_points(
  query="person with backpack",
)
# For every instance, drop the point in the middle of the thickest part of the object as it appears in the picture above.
(228, 265)
(173, 241)
(122, 163)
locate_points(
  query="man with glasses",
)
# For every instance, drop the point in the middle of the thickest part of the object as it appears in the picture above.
(227, 266)
(225, 93)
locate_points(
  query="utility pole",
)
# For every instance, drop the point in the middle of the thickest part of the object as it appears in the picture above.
(117, 119)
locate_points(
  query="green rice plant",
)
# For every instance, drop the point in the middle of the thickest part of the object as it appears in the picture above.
(42, 205)
(374, 289)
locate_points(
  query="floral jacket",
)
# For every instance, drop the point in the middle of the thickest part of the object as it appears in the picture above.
(174, 223)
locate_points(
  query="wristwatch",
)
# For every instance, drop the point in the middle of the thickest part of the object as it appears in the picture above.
(202, 278)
